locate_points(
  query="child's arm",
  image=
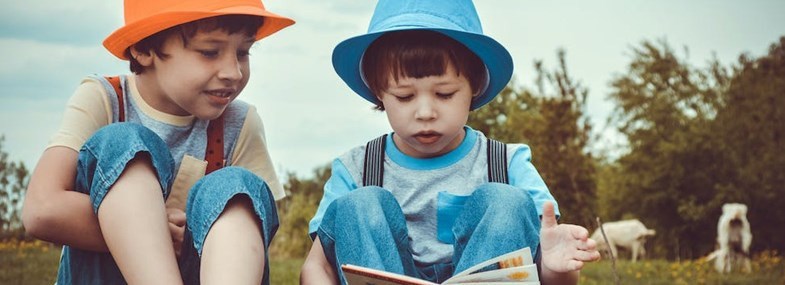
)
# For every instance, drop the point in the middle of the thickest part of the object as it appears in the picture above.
(53, 213)
(316, 269)
(565, 248)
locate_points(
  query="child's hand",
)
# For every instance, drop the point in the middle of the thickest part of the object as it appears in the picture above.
(564, 247)
(176, 219)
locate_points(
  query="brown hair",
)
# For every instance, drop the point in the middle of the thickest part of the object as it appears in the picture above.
(245, 24)
(418, 54)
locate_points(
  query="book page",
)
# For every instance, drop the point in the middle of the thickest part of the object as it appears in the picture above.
(512, 275)
(517, 267)
(513, 259)
(358, 275)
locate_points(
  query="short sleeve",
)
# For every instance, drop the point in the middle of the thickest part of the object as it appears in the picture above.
(87, 110)
(339, 184)
(524, 175)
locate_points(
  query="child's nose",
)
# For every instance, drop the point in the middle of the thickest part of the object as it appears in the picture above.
(425, 109)
(230, 69)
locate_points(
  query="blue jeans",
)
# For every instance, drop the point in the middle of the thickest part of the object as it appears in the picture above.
(101, 161)
(367, 228)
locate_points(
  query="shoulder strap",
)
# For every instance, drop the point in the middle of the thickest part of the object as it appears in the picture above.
(373, 167)
(497, 162)
(118, 90)
(214, 152)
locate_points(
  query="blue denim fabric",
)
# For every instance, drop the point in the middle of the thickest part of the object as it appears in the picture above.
(101, 161)
(206, 202)
(367, 227)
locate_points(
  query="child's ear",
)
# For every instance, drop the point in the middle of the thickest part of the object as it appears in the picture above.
(144, 58)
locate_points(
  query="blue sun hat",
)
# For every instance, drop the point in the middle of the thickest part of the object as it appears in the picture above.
(456, 19)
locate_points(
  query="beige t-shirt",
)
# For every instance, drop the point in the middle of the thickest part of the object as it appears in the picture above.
(90, 108)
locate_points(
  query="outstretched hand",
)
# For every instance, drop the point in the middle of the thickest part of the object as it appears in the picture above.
(564, 247)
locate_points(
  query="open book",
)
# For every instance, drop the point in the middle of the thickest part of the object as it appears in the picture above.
(516, 267)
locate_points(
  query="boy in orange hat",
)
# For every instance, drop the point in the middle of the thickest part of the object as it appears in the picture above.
(134, 184)
(434, 197)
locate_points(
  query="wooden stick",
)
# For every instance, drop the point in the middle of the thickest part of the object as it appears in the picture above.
(610, 252)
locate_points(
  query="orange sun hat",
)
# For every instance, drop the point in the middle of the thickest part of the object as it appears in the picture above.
(144, 18)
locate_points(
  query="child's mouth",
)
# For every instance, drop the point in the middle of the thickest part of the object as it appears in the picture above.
(221, 94)
(427, 137)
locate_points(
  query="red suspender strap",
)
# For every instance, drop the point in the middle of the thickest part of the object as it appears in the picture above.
(118, 90)
(214, 154)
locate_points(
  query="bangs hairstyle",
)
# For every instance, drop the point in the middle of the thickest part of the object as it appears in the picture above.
(418, 54)
(246, 24)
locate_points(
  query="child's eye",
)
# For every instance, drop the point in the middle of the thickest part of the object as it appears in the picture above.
(404, 98)
(209, 53)
(445, 95)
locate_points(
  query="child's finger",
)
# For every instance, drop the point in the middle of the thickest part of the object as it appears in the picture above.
(579, 233)
(548, 215)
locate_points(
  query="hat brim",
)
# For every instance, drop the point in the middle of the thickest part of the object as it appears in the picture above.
(348, 54)
(132, 33)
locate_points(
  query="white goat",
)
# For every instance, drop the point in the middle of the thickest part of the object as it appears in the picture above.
(629, 234)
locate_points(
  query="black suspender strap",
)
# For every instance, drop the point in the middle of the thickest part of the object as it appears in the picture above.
(373, 167)
(497, 162)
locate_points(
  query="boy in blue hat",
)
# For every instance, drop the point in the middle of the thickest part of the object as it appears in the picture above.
(434, 197)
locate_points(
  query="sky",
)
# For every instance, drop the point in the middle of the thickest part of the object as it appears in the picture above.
(310, 115)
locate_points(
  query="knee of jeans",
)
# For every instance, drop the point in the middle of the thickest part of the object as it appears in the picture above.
(208, 198)
(365, 199)
(131, 136)
(225, 183)
(501, 196)
(105, 155)
(126, 133)
(368, 204)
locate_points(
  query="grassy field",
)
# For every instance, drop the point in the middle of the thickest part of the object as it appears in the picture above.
(36, 263)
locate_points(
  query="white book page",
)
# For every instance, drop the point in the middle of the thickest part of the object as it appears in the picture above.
(512, 274)
(516, 258)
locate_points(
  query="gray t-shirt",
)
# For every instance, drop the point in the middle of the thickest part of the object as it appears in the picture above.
(416, 184)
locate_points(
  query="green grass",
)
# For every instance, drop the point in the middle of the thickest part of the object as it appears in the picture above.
(36, 263)
(28, 263)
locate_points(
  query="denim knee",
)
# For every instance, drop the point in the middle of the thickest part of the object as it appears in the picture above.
(209, 196)
(372, 206)
(501, 197)
(104, 156)
(498, 210)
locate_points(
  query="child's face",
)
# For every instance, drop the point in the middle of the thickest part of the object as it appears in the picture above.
(428, 114)
(200, 78)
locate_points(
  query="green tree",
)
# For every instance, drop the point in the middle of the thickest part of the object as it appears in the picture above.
(303, 196)
(551, 120)
(13, 183)
(697, 139)
(751, 126)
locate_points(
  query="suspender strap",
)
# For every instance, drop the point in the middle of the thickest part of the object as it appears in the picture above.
(373, 167)
(497, 162)
(214, 152)
(118, 90)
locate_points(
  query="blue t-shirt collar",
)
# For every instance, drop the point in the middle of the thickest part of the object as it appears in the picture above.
(441, 161)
